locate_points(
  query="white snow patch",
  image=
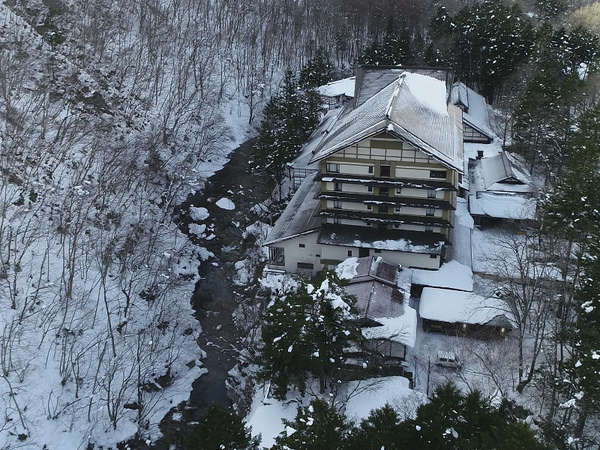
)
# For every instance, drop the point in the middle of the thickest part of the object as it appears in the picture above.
(374, 393)
(346, 270)
(402, 329)
(452, 274)
(225, 203)
(430, 92)
(197, 229)
(199, 214)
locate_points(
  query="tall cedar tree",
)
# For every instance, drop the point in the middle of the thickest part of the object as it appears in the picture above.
(395, 49)
(220, 429)
(484, 43)
(572, 211)
(305, 332)
(316, 427)
(318, 71)
(289, 119)
(544, 119)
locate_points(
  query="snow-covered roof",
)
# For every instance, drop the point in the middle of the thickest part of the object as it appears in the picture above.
(476, 112)
(382, 296)
(412, 107)
(393, 240)
(502, 205)
(301, 215)
(451, 274)
(337, 88)
(502, 168)
(451, 306)
(402, 329)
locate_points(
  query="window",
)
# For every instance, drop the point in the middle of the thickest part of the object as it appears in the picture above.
(383, 209)
(377, 250)
(384, 191)
(369, 207)
(384, 171)
(429, 229)
(349, 252)
(301, 245)
(337, 220)
(398, 209)
(370, 188)
(460, 178)
(396, 225)
(370, 169)
(398, 191)
(337, 204)
(431, 194)
(276, 256)
(337, 186)
(433, 256)
(317, 256)
(441, 174)
(430, 212)
(333, 168)
(302, 265)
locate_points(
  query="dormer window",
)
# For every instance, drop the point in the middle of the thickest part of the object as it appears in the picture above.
(333, 168)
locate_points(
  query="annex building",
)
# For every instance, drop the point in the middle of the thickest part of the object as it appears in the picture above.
(388, 167)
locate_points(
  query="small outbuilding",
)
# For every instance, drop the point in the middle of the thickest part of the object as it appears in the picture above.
(464, 313)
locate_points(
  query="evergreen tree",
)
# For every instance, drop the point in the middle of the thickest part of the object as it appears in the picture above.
(484, 42)
(371, 55)
(544, 119)
(318, 71)
(220, 429)
(305, 332)
(571, 211)
(289, 118)
(379, 430)
(451, 420)
(316, 427)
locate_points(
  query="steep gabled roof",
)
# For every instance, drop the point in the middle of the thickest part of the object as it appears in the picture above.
(475, 108)
(499, 169)
(412, 107)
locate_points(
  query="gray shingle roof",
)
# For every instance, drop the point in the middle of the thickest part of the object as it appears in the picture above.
(476, 108)
(406, 112)
(301, 215)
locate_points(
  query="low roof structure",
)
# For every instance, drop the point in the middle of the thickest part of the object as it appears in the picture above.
(501, 188)
(395, 240)
(451, 275)
(412, 107)
(301, 215)
(451, 306)
(381, 291)
(344, 86)
(475, 108)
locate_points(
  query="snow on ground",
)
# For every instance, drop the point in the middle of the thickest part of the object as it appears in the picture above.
(197, 229)
(492, 246)
(372, 393)
(198, 214)
(278, 283)
(265, 417)
(243, 272)
(346, 270)
(225, 203)
(451, 274)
